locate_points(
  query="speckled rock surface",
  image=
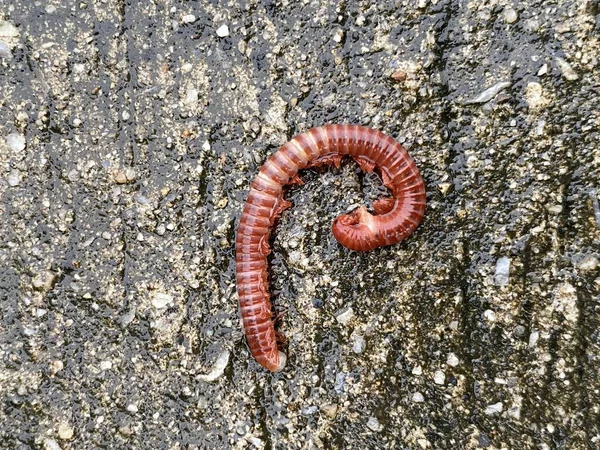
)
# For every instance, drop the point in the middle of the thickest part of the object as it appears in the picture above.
(130, 133)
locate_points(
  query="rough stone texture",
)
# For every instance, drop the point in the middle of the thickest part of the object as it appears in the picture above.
(143, 128)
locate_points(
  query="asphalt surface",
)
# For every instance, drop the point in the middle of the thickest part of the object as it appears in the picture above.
(129, 133)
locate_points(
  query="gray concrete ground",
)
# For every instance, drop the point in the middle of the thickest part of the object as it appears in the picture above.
(130, 131)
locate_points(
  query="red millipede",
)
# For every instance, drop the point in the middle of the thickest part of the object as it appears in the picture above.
(395, 217)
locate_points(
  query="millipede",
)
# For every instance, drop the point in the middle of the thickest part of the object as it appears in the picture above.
(393, 219)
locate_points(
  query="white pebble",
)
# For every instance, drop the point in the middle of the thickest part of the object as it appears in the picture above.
(160, 300)
(344, 316)
(494, 409)
(418, 397)
(374, 424)
(501, 277)
(15, 141)
(452, 360)
(223, 31)
(567, 71)
(5, 50)
(14, 178)
(587, 264)
(439, 377)
(51, 444)
(417, 371)
(218, 368)
(489, 315)
(489, 93)
(359, 344)
(105, 365)
(533, 338)
(510, 15)
(188, 18)
(338, 36)
(8, 30)
(132, 408)
(65, 431)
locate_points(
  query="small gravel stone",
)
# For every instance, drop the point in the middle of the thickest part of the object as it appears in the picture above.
(160, 229)
(161, 300)
(489, 315)
(51, 444)
(132, 408)
(533, 338)
(105, 365)
(452, 360)
(359, 344)
(329, 409)
(439, 377)
(223, 31)
(16, 142)
(501, 277)
(496, 408)
(338, 36)
(5, 50)
(417, 397)
(344, 316)
(374, 424)
(65, 431)
(567, 71)
(8, 30)
(489, 93)
(14, 178)
(188, 18)
(417, 371)
(534, 96)
(510, 15)
(218, 368)
(586, 263)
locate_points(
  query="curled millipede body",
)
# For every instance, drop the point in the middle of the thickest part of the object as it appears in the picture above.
(394, 219)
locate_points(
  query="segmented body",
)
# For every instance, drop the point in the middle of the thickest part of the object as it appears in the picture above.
(394, 219)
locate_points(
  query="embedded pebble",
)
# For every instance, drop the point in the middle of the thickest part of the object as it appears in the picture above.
(359, 344)
(338, 36)
(188, 18)
(8, 30)
(417, 397)
(452, 360)
(565, 68)
(51, 444)
(14, 178)
(223, 31)
(489, 315)
(501, 277)
(374, 424)
(218, 368)
(533, 338)
(105, 365)
(15, 141)
(586, 263)
(534, 96)
(417, 370)
(65, 431)
(510, 15)
(5, 50)
(329, 409)
(132, 408)
(494, 409)
(439, 377)
(489, 93)
(345, 315)
(160, 300)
